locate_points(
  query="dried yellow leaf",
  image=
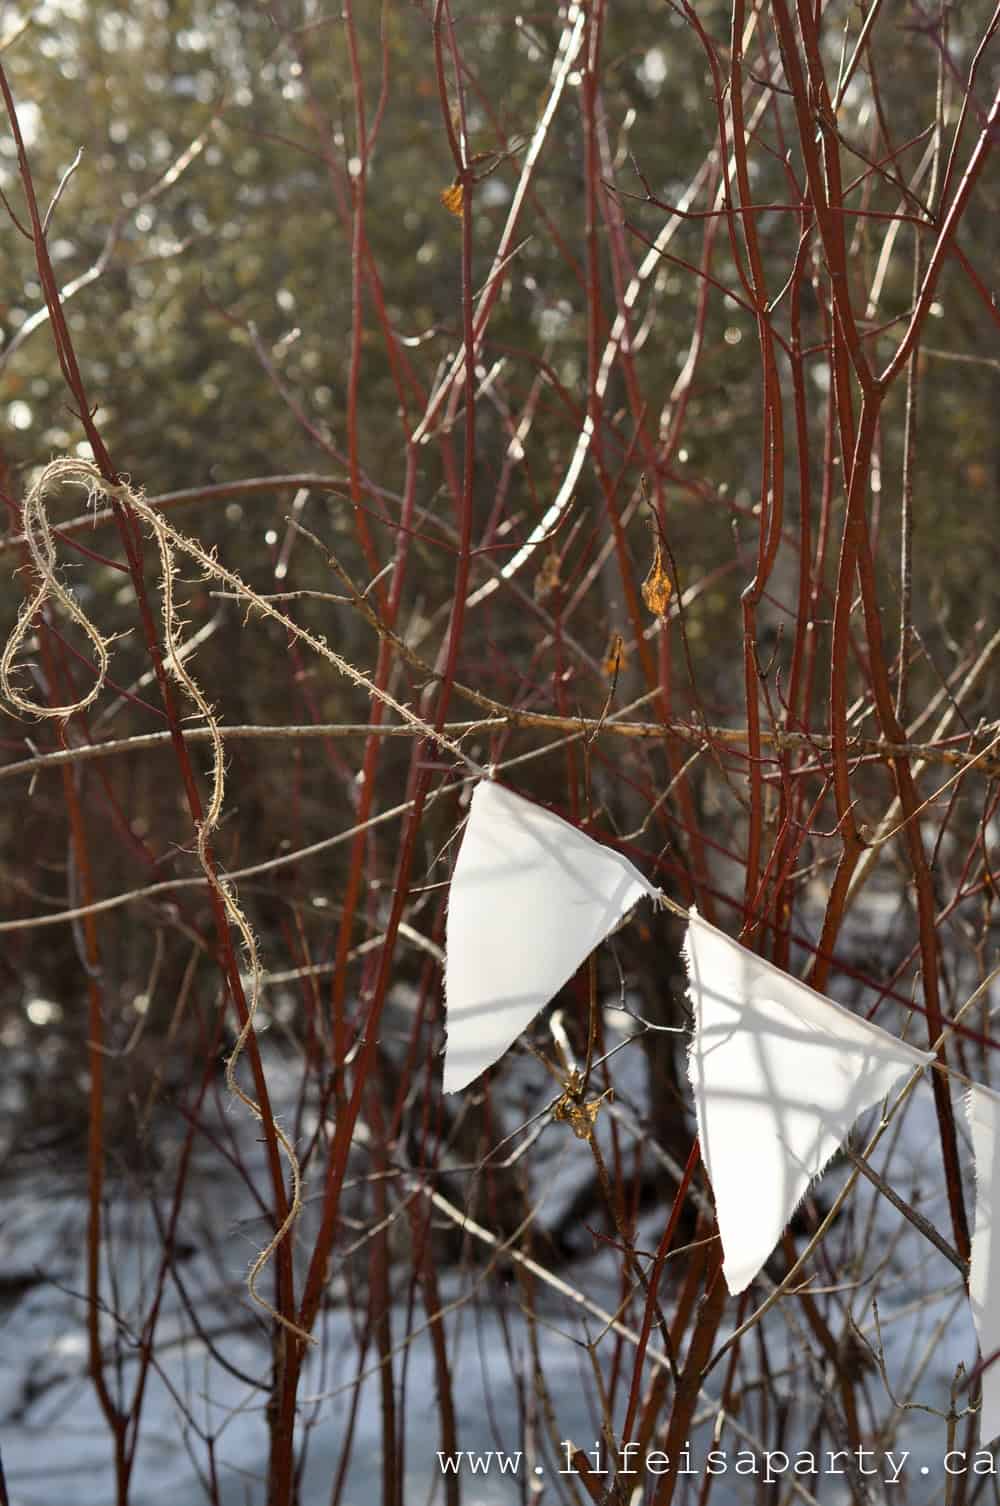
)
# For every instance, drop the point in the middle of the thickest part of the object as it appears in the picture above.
(656, 588)
(615, 658)
(451, 198)
(574, 1110)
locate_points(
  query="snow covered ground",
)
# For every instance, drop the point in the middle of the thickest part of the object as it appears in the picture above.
(56, 1448)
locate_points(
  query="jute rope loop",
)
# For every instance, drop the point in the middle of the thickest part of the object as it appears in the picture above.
(42, 548)
(169, 542)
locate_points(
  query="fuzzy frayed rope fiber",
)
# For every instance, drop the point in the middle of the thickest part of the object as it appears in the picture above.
(50, 590)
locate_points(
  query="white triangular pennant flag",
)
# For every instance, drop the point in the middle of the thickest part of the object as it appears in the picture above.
(983, 1109)
(531, 897)
(779, 1075)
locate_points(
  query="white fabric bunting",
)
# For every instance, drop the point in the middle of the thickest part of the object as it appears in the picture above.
(779, 1075)
(531, 897)
(983, 1109)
